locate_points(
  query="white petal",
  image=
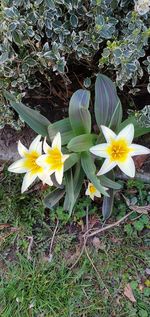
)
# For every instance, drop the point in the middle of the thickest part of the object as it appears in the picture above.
(39, 148)
(41, 161)
(97, 194)
(28, 179)
(59, 176)
(18, 167)
(65, 157)
(87, 193)
(128, 167)
(127, 133)
(106, 167)
(139, 149)
(92, 196)
(99, 150)
(35, 143)
(45, 178)
(108, 133)
(22, 149)
(57, 141)
(46, 147)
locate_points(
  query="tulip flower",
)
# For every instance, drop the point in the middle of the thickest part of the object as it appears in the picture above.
(27, 164)
(118, 150)
(92, 191)
(53, 159)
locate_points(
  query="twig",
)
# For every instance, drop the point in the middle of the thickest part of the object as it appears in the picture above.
(145, 177)
(52, 240)
(87, 218)
(95, 269)
(78, 258)
(107, 227)
(29, 248)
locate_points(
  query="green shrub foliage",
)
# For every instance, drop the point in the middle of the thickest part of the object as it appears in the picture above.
(47, 35)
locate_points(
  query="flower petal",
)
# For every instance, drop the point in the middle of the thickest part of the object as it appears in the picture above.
(65, 157)
(57, 141)
(127, 133)
(46, 147)
(35, 143)
(45, 178)
(139, 149)
(18, 167)
(97, 194)
(106, 167)
(28, 179)
(59, 175)
(99, 150)
(22, 150)
(128, 167)
(108, 133)
(39, 148)
(42, 161)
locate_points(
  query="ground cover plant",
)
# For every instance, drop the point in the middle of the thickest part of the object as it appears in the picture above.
(35, 284)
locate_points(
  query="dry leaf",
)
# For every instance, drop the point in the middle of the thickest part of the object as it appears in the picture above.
(98, 244)
(140, 209)
(4, 225)
(139, 160)
(129, 294)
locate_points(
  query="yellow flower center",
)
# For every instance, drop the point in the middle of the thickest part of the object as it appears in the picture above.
(54, 159)
(30, 162)
(118, 150)
(92, 189)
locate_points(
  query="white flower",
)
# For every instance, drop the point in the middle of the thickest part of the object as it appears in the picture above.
(142, 6)
(92, 191)
(118, 150)
(53, 160)
(27, 164)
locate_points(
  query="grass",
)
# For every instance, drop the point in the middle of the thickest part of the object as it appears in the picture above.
(95, 286)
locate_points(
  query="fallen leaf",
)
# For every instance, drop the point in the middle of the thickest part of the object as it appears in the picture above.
(98, 244)
(139, 160)
(129, 294)
(140, 209)
(141, 287)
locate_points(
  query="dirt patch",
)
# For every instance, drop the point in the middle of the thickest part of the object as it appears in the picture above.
(9, 139)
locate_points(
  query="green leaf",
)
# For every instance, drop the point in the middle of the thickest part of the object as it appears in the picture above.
(79, 114)
(64, 127)
(71, 161)
(108, 203)
(69, 197)
(17, 37)
(107, 182)
(53, 198)
(81, 143)
(90, 170)
(108, 109)
(138, 225)
(32, 117)
(78, 180)
(139, 130)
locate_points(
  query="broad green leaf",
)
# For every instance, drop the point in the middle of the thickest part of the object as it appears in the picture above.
(78, 180)
(69, 197)
(32, 117)
(108, 203)
(107, 182)
(79, 114)
(108, 109)
(90, 171)
(71, 161)
(53, 198)
(64, 127)
(139, 130)
(82, 142)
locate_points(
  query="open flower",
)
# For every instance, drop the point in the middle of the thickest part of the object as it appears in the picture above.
(118, 150)
(92, 191)
(27, 164)
(53, 160)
